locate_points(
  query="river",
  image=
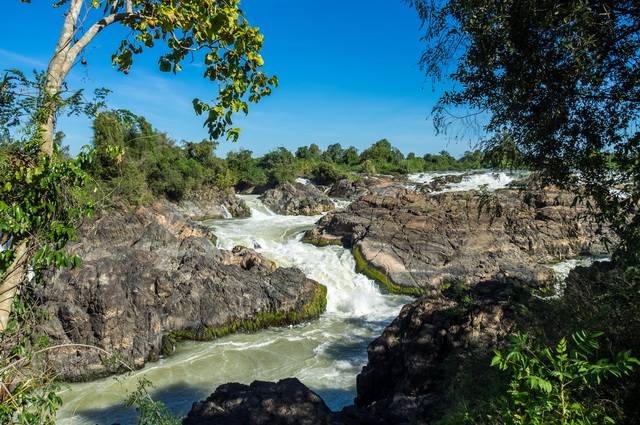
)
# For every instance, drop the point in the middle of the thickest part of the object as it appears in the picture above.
(325, 354)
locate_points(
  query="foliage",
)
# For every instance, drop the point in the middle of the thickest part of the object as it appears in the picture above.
(246, 169)
(150, 412)
(279, 166)
(214, 32)
(558, 385)
(37, 203)
(22, 100)
(561, 79)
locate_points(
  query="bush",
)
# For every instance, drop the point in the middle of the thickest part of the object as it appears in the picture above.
(558, 386)
(326, 174)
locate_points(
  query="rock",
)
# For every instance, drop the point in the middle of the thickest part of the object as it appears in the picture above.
(439, 183)
(414, 364)
(347, 189)
(152, 277)
(287, 402)
(297, 199)
(213, 204)
(413, 242)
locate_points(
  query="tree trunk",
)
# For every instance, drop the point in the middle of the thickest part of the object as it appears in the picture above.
(59, 66)
(15, 275)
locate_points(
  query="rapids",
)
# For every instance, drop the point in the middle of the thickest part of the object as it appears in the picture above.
(325, 354)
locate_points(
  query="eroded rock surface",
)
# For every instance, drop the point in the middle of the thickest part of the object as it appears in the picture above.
(416, 361)
(151, 277)
(297, 199)
(213, 204)
(413, 242)
(287, 402)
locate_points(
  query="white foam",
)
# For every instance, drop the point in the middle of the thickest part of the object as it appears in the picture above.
(472, 180)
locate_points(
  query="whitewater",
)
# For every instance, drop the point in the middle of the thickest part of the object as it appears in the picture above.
(325, 354)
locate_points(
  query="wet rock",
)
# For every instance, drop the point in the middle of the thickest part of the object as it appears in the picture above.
(213, 204)
(348, 189)
(413, 242)
(297, 199)
(152, 277)
(414, 364)
(287, 402)
(439, 183)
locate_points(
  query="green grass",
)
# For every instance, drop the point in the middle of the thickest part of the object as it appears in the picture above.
(262, 320)
(364, 267)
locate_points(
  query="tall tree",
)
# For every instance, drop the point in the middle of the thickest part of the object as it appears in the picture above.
(562, 79)
(215, 31)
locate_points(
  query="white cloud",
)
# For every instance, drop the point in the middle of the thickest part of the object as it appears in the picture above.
(10, 59)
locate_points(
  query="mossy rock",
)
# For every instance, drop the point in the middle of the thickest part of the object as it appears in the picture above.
(264, 319)
(323, 242)
(366, 268)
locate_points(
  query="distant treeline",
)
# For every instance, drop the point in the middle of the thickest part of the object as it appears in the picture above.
(135, 162)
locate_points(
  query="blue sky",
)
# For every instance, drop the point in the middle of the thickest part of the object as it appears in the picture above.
(348, 73)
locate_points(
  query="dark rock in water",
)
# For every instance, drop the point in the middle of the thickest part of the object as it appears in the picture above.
(297, 199)
(347, 189)
(439, 183)
(413, 242)
(414, 363)
(152, 277)
(213, 204)
(287, 402)
(408, 379)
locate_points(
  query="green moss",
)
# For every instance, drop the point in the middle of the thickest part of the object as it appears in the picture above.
(323, 242)
(364, 267)
(262, 320)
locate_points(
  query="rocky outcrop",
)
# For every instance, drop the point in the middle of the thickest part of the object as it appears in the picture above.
(413, 242)
(439, 183)
(213, 204)
(419, 357)
(411, 374)
(297, 199)
(287, 402)
(150, 278)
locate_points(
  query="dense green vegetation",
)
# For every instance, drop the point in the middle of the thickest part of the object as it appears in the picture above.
(135, 163)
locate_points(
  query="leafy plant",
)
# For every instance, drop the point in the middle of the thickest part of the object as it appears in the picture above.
(150, 412)
(558, 385)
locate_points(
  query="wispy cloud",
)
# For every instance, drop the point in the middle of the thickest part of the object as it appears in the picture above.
(11, 59)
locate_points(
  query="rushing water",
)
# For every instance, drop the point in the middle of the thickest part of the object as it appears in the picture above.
(325, 354)
(471, 180)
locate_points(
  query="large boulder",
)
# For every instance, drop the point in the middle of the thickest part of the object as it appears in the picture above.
(287, 402)
(297, 199)
(213, 204)
(413, 243)
(417, 360)
(152, 277)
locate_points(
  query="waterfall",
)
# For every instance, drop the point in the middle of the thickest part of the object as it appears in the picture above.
(225, 212)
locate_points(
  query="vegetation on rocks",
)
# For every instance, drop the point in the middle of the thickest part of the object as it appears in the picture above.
(262, 320)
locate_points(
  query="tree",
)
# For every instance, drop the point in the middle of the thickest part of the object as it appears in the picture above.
(334, 153)
(215, 30)
(562, 79)
(279, 165)
(382, 152)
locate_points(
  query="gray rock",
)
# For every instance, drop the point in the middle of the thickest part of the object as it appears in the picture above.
(213, 204)
(287, 402)
(418, 241)
(297, 199)
(151, 277)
